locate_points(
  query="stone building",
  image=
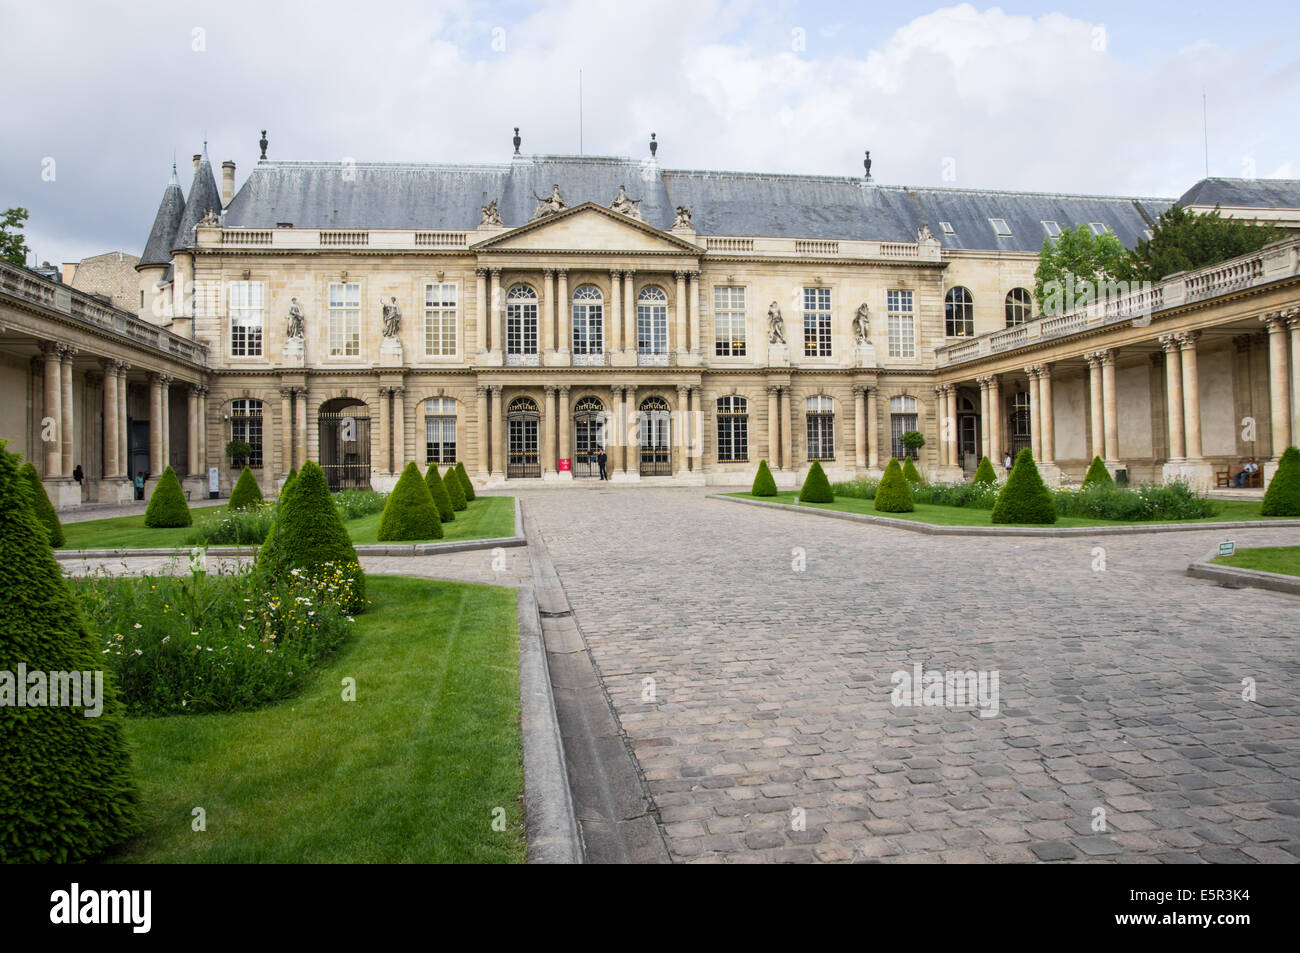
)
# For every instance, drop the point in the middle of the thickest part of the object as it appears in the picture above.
(517, 316)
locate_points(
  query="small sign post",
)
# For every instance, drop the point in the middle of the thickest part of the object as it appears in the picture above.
(214, 482)
(1227, 548)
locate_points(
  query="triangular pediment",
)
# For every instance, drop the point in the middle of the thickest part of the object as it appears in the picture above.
(588, 227)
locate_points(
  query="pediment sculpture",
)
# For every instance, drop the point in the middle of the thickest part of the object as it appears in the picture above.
(626, 206)
(550, 205)
(490, 215)
(683, 219)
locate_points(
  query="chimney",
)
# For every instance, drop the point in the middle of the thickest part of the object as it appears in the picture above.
(197, 157)
(227, 182)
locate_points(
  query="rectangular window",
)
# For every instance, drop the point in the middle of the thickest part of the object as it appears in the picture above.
(245, 301)
(440, 320)
(902, 326)
(733, 430)
(345, 319)
(1000, 227)
(900, 424)
(817, 322)
(1053, 229)
(440, 439)
(246, 425)
(821, 436)
(729, 321)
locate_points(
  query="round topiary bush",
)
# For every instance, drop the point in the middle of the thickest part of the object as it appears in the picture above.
(41, 504)
(308, 533)
(1097, 474)
(984, 473)
(1025, 498)
(167, 506)
(410, 512)
(66, 793)
(910, 473)
(894, 494)
(764, 482)
(465, 482)
(438, 490)
(1282, 498)
(246, 492)
(816, 488)
(455, 489)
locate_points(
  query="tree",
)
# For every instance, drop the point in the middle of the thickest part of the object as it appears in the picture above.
(894, 495)
(816, 488)
(984, 473)
(1184, 240)
(764, 482)
(455, 490)
(465, 482)
(246, 492)
(41, 504)
(66, 793)
(1097, 474)
(238, 451)
(410, 513)
(912, 440)
(1071, 267)
(167, 506)
(1025, 498)
(13, 247)
(1282, 498)
(438, 490)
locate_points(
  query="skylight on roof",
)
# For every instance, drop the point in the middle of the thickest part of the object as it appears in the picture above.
(1053, 229)
(1000, 227)
(947, 228)
(1099, 228)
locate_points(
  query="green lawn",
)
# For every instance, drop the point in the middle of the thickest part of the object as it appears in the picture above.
(1283, 559)
(486, 518)
(1231, 511)
(409, 772)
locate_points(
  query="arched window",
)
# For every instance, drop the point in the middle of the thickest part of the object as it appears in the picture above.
(819, 412)
(246, 425)
(1020, 307)
(440, 430)
(522, 458)
(959, 313)
(521, 325)
(588, 325)
(733, 430)
(652, 326)
(655, 422)
(902, 418)
(589, 418)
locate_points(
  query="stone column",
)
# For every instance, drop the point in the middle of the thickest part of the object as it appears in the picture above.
(155, 425)
(615, 312)
(773, 427)
(484, 428)
(1049, 421)
(307, 448)
(53, 411)
(954, 451)
(986, 436)
(695, 431)
(498, 431)
(787, 443)
(1191, 395)
(1096, 405)
(399, 429)
(497, 312)
(111, 465)
(547, 342)
(859, 427)
(941, 410)
(166, 420)
(996, 436)
(632, 454)
(286, 430)
(385, 440)
(123, 443)
(679, 318)
(1174, 395)
(480, 309)
(68, 431)
(548, 453)
(1278, 386)
(873, 441)
(564, 336)
(693, 307)
(1035, 412)
(1292, 316)
(203, 430)
(192, 419)
(1110, 407)
(683, 429)
(629, 311)
(565, 423)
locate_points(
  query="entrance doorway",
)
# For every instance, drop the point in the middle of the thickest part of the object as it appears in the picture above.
(522, 457)
(655, 427)
(588, 436)
(345, 443)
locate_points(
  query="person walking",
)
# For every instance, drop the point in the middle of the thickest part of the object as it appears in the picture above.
(602, 459)
(1006, 460)
(139, 485)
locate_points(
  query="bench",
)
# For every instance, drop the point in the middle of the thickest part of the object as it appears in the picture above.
(1226, 476)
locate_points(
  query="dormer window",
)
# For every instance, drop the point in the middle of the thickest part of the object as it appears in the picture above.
(1053, 229)
(1000, 227)
(946, 228)
(1099, 228)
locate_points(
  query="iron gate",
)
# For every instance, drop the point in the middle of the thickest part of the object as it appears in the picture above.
(656, 452)
(588, 436)
(345, 448)
(522, 459)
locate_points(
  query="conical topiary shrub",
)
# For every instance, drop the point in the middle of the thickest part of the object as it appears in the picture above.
(894, 494)
(41, 504)
(466, 484)
(293, 475)
(438, 490)
(1025, 498)
(910, 473)
(410, 512)
(1097, 474)
(984, 473)
(167, 506)
(246, 492)
(308, 533)
(66, 793)
(816, 488)
(455, 489)
(1282, 498)
(764, 482)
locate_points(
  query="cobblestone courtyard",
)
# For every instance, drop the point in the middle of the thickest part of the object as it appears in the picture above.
(1120, 689)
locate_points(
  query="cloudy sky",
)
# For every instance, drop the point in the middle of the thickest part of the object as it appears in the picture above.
(1059, 95)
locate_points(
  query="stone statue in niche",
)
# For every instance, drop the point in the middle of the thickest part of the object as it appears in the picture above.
(683, 219)
(775, 324)
(550, 205)
(295, 328)
(392, 317)
(862, 324)
(491, 215)
(626, 206)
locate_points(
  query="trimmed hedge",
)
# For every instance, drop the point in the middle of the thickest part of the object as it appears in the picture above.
(465, 482)
(1025, 498)
(1097, 474)
(167, 506)
(764, 482)
(293, 475)
(984, 473)
(246, 492)
(410, 512)
(308, 533)
(910, 473)
(438, 490)
(1282, 498)
(41, 505)
(894, 493)
(816, 488)
(66, 792)
(455, 489)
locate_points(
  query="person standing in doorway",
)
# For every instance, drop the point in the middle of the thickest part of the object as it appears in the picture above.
(139, 485)
(1006, 460)
(602, 459)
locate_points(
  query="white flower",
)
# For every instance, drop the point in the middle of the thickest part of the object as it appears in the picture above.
(139, 626)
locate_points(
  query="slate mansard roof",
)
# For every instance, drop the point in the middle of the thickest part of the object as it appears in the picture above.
(1244, 193)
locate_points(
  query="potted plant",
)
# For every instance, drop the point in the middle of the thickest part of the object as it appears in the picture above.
(913, 440)
(239, 451)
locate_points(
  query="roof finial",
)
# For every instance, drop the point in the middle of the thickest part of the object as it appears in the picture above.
(866, 164)
(517, 140)
(175, 180)
(654, 146)
(263, 143)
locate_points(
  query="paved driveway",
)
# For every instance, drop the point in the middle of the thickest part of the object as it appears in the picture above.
(768, 732)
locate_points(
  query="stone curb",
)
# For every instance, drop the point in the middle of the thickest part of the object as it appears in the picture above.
(1235, 578)
(366, 549)
(552, 823)
(930, 529)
